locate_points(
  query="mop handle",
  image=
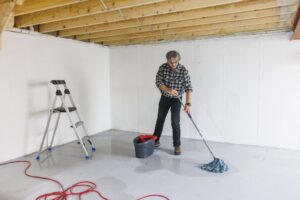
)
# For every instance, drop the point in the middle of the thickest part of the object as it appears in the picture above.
(190, 116)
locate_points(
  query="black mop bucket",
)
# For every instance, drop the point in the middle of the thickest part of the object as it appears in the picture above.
(144, 145)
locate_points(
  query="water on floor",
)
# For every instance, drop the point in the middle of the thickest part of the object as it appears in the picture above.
(255, 172)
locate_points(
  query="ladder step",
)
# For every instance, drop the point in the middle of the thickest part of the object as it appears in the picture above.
(77, 124)
(62, 109)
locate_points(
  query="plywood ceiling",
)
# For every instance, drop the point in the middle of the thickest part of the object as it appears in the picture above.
(123, 22)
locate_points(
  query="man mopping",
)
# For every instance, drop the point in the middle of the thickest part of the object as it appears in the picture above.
(173, 80)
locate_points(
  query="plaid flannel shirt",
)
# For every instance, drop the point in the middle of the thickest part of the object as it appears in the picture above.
(179, 79)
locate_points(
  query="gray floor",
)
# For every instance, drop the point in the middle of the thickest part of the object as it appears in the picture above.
(255, 172)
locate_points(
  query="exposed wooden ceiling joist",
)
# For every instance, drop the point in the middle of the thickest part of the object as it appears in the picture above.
(131, 21)
(193, 28)
(87, 8)
(32, 6)
(194, 22)
(133, 13)
(193, 35)
(179, 16)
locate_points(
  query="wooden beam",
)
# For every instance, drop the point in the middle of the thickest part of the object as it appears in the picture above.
(194, 22)
(296, 25)
(19, 2)
(296, 35)
(194, 35)
(6, 8)
(87, 8)
(31, 6)
(193, 28)
(175, 17)
(8, 17)
(296, 17)
(10, 22)
(133, 13)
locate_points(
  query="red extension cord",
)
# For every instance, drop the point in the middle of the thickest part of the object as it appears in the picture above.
(64, 193)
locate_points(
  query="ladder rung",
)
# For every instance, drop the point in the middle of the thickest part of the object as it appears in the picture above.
(77, 124)
(62, 109)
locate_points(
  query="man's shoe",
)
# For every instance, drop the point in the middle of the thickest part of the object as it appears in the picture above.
(177, 150)
(156, 144)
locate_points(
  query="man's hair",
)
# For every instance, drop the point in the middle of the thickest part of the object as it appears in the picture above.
(173, 54)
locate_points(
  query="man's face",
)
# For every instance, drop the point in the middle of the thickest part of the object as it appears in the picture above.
(173, 62)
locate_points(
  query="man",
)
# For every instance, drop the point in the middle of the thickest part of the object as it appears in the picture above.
(173, 81)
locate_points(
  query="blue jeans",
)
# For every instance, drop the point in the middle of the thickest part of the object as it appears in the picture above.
(165, 104)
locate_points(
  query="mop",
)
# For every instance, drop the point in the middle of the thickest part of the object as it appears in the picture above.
(217, 165)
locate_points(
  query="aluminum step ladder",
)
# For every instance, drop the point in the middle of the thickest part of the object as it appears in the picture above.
(61, 84)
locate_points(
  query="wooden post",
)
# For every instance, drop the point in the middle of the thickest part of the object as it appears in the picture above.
(7, 15)
(296, 25)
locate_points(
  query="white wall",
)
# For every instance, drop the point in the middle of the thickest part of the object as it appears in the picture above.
(27, 64)
(246, 88)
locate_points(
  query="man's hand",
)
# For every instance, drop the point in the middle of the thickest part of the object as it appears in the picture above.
(187, 108)
(172, 92)
(168, 90)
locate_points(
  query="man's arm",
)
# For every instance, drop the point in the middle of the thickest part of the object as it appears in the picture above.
(188, 97)
(188, 90)
(159, 78)
(168, 90)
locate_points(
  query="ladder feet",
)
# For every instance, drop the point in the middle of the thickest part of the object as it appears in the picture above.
(93, 149)
(79, 143)
(87, 157)
(38, 158)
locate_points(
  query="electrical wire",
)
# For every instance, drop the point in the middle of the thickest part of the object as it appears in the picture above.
(85, 186)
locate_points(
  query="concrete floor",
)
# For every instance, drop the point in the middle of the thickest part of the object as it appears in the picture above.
(256, 173)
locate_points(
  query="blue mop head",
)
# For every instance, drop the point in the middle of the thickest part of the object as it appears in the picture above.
(216, 166)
